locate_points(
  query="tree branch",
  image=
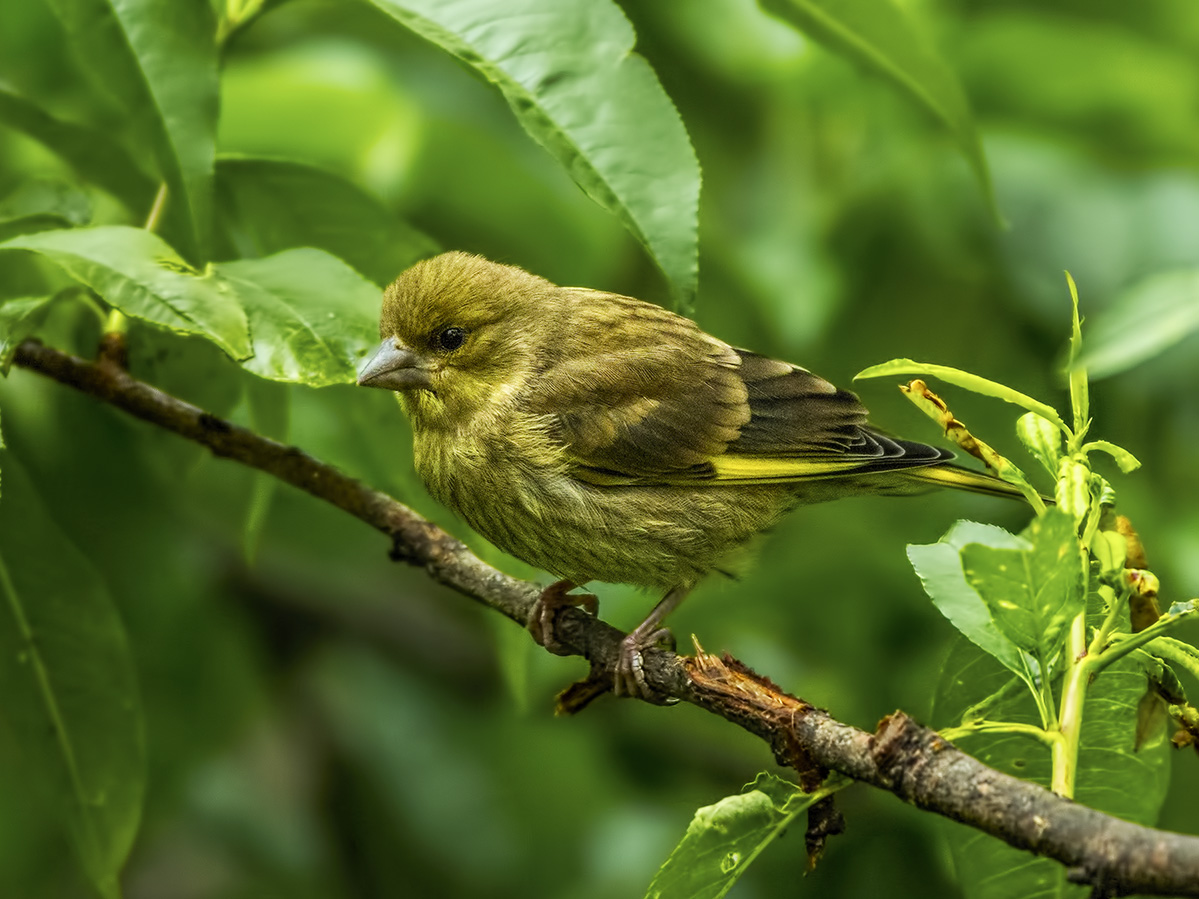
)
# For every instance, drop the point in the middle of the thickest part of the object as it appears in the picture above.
(902, 757)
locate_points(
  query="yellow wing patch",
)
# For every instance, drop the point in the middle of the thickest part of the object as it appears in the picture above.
(767, 469)
(727, 470)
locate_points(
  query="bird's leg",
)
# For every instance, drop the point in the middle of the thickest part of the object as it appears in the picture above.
(627, 677)
(554, 597)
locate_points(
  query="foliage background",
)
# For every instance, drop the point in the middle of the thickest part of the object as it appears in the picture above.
(322, 722)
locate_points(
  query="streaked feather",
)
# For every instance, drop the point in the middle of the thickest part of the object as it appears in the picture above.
(603, 438)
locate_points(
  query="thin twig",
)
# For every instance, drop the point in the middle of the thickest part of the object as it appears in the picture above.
(902, 757)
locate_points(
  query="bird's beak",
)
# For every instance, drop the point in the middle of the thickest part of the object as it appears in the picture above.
(394, 366)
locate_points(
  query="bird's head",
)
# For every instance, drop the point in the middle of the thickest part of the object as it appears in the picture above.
(458, 332)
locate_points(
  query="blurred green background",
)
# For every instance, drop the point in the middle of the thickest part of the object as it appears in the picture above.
(322, 722)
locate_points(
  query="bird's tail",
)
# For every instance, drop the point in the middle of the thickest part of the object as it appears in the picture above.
(958, 478)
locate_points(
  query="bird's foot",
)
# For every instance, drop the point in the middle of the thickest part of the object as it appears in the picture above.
(628, 675)
(554, 597)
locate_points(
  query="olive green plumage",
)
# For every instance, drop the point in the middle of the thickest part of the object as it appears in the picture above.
(602, 438)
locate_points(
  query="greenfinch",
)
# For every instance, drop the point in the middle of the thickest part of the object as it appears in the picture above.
(602, 438)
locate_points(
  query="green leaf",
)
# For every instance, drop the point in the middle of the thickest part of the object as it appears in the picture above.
(41, 203)
(1126, 460)
(312, 317)
(68, 682)
(568, 70)
(1123, 644)
(723, 839)
(1042, 439)
(939, 566)
(1033, 593)
(1176, 652)
(880, 36)
(1080, 396)
(270, 414)
(240, 13)
(964, 379)
(189, 367)
(1112, 777)
(159, 62)
(138, 273)
(19, 318)
(1143, 322)
(268, 205)
(93, 154)
(1110, 549)
(192, 368)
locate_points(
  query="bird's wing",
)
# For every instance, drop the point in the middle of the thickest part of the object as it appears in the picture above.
(801, 427)
(645, 397)
(638, 393)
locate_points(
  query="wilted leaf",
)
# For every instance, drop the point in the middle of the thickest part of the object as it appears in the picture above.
(1124, 459)
(965, 379)
(1177, 652)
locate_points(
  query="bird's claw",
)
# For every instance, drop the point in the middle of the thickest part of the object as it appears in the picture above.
(541, 617)
(628, 675)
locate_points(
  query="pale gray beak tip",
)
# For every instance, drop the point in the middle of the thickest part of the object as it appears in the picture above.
(393, 366)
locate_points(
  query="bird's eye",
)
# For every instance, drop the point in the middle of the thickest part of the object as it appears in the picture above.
(450, 339)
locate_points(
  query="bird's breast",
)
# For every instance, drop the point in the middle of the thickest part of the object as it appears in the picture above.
(518, 492)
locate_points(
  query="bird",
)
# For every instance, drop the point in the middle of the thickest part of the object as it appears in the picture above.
(602, 438)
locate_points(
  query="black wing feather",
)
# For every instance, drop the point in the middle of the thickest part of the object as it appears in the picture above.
(655, 400)
(796, 414)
